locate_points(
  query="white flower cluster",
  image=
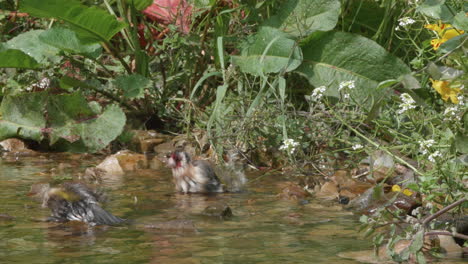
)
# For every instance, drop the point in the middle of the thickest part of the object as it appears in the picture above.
(434, 155)
(289, 145)
(44, 83)
(451, 113)
(425, 145)
(408, 103)
(357, 146)
(317, 93)
(346, 84)
(461, 99)
(404, 21)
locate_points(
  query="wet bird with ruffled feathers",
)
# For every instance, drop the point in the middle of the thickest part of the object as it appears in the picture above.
(195, 176)
(74, 202)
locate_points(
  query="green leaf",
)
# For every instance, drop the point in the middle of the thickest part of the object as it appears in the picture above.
(300, 18)
(140, 4)
(94, 23)
(435, 9)
(101, 131)
(23, 116)
(62, 117)
(460, 21)
(13, 58)
(30, 44)
(417, 243)
(452, 43)
(461, 143)
(67, 40)
(133, 86)
(268, 51)
(334, 57)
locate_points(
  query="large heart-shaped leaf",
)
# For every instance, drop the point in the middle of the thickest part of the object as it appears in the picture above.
(13, 58)
(334, 57)
(93, 22)
(303, 17)
(67, 40)
(65, 117)
(30, 44)
(435, 9)
(268, 51)
(23, 116)
(133, 86)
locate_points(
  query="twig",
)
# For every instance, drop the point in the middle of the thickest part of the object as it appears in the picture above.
(442, 211)
(447, 233)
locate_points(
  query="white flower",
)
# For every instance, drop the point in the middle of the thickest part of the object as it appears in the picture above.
(44, 83)
(357, 146)
(425, 145)
(408, 103)
(317, 93)
(349, 84)
(404, 21)
(346, 96)
(461, 99)
(452, 113)
(289, 145)
(434, 155)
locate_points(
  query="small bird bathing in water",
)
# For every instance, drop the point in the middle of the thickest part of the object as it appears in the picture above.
(192, 176)
(74, 202)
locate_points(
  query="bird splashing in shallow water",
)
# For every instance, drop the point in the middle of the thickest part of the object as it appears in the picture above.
(74, 202)
(195, 176)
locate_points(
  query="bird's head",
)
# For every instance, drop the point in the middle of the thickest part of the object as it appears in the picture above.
(178, 159)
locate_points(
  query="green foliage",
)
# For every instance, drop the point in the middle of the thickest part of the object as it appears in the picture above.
(301, 18)
(139, 4)
(133, 86)
(93, 23)
(30, 44)
(335, 57)
(13, 58)
(67, 40)
(268, 51)
(435, 9)
(64, 116)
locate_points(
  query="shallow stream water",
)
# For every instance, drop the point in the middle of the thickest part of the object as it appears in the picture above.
(264, 228)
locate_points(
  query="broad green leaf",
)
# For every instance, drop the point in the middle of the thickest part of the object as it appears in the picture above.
(460, 21)
(417, 243)
(96, 24)
(13, 58)
(23, 116)
(67, 40)
(435, 9)
(139, 4)
(452, 43)
(334, 57)
(30, 44)
(461, 143)
(133, 86)
(268, 51)
(106, 127)
(60, 117)
(300, 18)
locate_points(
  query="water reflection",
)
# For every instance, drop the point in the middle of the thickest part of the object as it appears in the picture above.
(263, 229)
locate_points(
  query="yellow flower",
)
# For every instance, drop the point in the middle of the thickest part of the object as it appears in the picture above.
(445, 91)
(444, 31)
(397, 188)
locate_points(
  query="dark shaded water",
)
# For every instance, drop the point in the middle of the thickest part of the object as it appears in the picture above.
(264, 229)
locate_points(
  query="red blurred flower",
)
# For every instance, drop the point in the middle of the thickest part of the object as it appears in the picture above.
(167, 12)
